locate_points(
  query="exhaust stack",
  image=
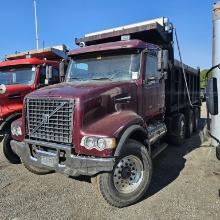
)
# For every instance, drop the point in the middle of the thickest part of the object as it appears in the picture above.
(215, 122)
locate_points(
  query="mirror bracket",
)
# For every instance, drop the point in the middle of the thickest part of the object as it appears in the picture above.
(162, 60)
(49, 75)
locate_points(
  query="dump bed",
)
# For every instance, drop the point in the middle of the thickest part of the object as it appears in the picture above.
(49, 53)
(176, 91)
(156, 31)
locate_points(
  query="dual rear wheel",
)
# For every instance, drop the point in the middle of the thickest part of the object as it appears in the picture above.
(183, 125)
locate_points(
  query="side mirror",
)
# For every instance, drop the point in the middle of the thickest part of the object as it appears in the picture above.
(162, 60)
(49, 75)
(62, 70)
(212, 96)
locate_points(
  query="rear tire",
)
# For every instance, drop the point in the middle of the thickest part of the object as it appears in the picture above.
(130, 178)
(189, 123)
(37, 170)
(178, 129)
(7, 150)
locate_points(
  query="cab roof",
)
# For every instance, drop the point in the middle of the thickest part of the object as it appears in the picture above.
(119, 45)
(27, 61)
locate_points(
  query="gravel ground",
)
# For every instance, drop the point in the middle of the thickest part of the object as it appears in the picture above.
(185, 185)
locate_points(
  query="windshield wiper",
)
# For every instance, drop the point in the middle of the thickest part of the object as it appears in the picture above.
(102, 78)
(77, 78)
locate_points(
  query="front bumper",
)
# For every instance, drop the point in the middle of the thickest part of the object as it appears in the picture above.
(218, 152)
(72, 166)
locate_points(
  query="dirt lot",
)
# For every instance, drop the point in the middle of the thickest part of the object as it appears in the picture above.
(185, 185)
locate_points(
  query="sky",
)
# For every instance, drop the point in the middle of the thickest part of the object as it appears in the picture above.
(61, 21)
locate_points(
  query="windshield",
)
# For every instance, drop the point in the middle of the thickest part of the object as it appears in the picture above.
(24, 76)
(120, 66)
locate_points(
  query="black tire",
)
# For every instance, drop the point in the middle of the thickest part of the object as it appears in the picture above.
(189, 123)
(7, 150)
(107, 182)
(37, 170)
(178, 129)
(218, 152)
(196, 119)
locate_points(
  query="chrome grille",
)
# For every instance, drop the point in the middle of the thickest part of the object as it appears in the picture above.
(50, 120)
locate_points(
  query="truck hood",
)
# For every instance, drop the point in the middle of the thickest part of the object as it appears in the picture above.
(14, 90)
(82, 90)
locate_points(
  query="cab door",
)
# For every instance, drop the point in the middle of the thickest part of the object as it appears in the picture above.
(153, 87)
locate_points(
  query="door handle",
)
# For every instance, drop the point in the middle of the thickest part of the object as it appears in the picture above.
(14, 96)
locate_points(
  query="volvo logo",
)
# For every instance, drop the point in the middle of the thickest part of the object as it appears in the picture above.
(46, 118)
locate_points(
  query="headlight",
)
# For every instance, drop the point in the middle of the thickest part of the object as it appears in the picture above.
(99, 144)
(16, 131)
(90, 142)
(2, 88)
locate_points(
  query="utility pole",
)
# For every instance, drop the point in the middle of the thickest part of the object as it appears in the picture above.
(36, 25)
(215, 120)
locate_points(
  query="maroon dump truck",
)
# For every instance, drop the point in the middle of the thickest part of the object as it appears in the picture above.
(20, 74)
(123, 100)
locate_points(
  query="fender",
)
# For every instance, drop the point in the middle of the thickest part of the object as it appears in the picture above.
(112, 125)
(125, 136)
(8, 120)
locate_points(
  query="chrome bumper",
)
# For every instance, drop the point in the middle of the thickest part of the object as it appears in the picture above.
(72, 166)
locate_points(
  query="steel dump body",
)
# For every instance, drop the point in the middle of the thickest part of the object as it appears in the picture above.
(176, 92)
(55, 53)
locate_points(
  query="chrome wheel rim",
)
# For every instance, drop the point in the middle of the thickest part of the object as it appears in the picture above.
(128, 174)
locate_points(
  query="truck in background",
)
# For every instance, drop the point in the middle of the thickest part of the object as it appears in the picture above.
(20, 74)
(124, 98)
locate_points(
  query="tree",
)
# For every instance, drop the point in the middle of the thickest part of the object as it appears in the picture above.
(202, 78)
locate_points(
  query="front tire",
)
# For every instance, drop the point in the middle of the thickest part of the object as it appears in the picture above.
(130, 178)
(7, 150)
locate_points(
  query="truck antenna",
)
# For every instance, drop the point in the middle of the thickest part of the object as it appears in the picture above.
(36, 24)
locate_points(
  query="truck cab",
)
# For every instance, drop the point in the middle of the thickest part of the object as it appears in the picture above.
(21, 74)
(122, 98)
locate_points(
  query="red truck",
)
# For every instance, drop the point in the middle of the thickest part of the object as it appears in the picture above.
(20, 74)
(123, 99)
